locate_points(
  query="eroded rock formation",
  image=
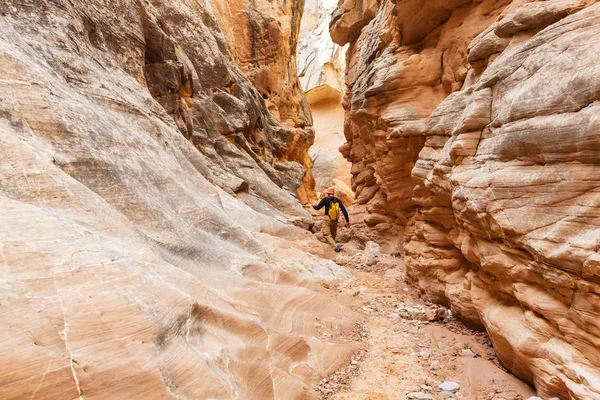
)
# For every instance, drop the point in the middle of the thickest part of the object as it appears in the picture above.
(142, 201)
(328, 162)
(321, 65)
(189, 69)
(262, 37)
(472, 125)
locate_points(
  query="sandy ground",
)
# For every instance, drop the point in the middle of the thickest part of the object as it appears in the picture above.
(403, 351)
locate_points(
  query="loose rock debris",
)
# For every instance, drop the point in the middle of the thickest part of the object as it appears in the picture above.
(413, 349)
(340, 379)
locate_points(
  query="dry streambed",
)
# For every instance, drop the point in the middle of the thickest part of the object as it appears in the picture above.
(412, 350)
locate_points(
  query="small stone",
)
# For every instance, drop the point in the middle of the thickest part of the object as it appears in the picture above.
(467, 353)
(424, 354)
(419, 396)
(427, 388)
(434, 314)
(449, 386)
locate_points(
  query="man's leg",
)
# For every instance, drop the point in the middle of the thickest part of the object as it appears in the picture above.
(333, 229)
(327, 224)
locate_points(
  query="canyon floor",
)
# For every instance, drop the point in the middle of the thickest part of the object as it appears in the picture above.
(405, 354)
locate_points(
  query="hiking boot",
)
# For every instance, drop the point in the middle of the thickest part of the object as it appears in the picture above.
(338, 249)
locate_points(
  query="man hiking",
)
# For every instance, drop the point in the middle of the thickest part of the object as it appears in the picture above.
(333, 205)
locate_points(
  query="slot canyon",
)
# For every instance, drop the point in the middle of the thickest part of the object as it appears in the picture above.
(159, 164)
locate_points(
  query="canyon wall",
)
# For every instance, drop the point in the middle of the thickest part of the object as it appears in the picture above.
(146, 196)
(472, 126)
(262, 37)
(321, 66)
(328, 162)
(196, 71)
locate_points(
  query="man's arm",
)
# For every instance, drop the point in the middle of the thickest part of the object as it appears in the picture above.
(320, 205)
(345, 212)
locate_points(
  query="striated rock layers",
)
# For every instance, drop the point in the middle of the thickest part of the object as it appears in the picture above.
(474, 126)
(321, 65)
(142, 208)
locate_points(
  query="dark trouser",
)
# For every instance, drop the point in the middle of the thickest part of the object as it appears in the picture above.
(329, 230)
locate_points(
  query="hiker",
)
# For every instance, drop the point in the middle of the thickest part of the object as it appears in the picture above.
(333, 205)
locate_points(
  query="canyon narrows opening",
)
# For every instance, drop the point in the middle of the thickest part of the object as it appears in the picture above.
(158, 163)
(321, 68)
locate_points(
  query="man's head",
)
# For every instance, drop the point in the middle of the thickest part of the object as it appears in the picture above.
(330, 191)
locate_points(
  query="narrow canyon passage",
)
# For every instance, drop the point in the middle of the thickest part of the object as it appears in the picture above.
(465, 124)
(159, 160)
(321, 68)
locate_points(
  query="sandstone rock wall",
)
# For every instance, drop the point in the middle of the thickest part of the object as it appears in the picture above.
(189, 68)
(328, 162)
(472, 125)
(141, 202)
(321, 63)
(262, 37)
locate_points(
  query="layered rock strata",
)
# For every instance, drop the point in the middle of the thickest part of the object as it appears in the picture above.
(473, 126)
(142, 241)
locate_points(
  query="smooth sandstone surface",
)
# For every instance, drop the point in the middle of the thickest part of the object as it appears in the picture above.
(321, 62)
(472, 127)
(146, 249)
(328, 162)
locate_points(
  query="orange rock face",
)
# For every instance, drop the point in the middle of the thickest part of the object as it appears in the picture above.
(471, 126)
(200, 92)
(328, 162)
